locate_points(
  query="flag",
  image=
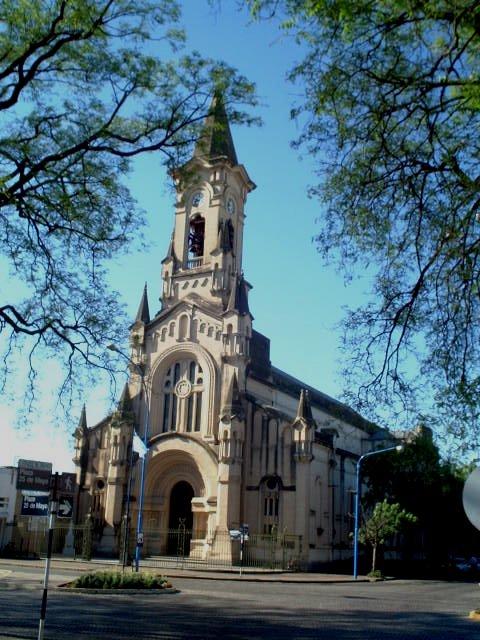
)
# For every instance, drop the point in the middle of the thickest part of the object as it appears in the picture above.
(139, 446)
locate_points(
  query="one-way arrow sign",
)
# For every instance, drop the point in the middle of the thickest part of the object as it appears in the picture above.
(65, 507)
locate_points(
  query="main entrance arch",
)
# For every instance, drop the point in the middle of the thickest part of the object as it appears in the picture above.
(180, 522)
(180, 507)
(180, 493)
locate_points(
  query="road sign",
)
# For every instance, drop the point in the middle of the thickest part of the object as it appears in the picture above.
(34, 475)
(35, 506)
(66, 483)
(65, 507)
(471, 497)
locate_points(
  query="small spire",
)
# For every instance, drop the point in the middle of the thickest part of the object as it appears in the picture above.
(304, 411)
(226, 236)
(82, 423)
(171, 249)
(233, 400)
(143, 313)
(125, 404)
(216, 140)
(238, 299)
(232, 299)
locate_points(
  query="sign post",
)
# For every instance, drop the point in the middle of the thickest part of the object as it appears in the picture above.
(242, 535)
(53, 513)
(243, 539)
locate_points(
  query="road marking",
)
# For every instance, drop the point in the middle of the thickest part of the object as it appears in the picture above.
(4, 573)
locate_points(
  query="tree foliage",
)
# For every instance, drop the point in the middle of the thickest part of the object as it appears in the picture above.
(430, 488)
(391, 112)
(85, 87)
(386, 520)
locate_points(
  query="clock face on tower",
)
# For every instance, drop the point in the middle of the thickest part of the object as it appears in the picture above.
(231, 206)
(197, 199)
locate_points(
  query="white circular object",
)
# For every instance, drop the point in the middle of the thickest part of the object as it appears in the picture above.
(183, 388)
(471, 497)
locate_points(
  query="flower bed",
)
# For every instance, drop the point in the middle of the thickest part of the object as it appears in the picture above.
(118, 580)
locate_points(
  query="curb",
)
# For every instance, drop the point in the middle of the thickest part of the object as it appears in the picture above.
(109, 592)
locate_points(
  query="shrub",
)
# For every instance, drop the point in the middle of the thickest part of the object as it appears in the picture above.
(117, 580)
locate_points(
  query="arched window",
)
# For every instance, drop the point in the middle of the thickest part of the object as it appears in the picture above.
(196, 237)
(271, 504)
(182, 397)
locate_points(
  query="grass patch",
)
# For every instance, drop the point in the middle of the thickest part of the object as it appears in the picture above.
(118, 580)
(375, 575)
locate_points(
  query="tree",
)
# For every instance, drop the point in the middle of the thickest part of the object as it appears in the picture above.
(423, 484)
(85, 87)
(391, 112)
(386, 520)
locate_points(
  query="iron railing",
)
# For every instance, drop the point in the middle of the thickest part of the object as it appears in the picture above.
(179, 548)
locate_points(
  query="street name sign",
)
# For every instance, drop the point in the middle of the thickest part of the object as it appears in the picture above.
(35, 506)
(34, 475)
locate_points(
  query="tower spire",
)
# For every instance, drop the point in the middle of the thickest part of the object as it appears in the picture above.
(143, 313)
(216, 140)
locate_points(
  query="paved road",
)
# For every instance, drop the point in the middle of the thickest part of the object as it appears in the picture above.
(207, 609)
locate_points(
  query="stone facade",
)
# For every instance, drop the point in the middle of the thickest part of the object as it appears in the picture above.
(231, 438)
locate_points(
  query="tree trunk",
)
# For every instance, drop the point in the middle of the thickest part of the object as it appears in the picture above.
(374, 557)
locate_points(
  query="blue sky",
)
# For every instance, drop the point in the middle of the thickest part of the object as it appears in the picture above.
(296, 300)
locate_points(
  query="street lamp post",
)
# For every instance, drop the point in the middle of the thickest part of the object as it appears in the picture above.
(398, 448)
(139, 532)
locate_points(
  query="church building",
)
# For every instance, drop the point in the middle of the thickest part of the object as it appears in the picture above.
(231, 438)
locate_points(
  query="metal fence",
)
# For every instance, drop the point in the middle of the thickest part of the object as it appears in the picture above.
(162, 548)
(29, 539)
(178, 548)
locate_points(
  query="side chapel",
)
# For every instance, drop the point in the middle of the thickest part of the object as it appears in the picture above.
(231, 438)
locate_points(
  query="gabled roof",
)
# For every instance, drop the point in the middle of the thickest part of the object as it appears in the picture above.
(282, 381)
(216, 141)
(192, 300)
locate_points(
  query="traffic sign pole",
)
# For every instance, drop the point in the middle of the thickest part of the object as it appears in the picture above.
(51, 522)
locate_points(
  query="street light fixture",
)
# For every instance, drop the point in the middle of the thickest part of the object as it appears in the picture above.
(398, 448)
(140, 369)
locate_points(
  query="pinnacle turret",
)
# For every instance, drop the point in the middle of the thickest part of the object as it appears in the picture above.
(125, 403)
(143, 313)
(304, 411)
(238, 299)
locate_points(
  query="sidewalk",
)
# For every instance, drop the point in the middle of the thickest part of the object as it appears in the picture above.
(248, 575)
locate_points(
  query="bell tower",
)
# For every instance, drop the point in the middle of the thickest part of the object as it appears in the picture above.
(204, 259)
